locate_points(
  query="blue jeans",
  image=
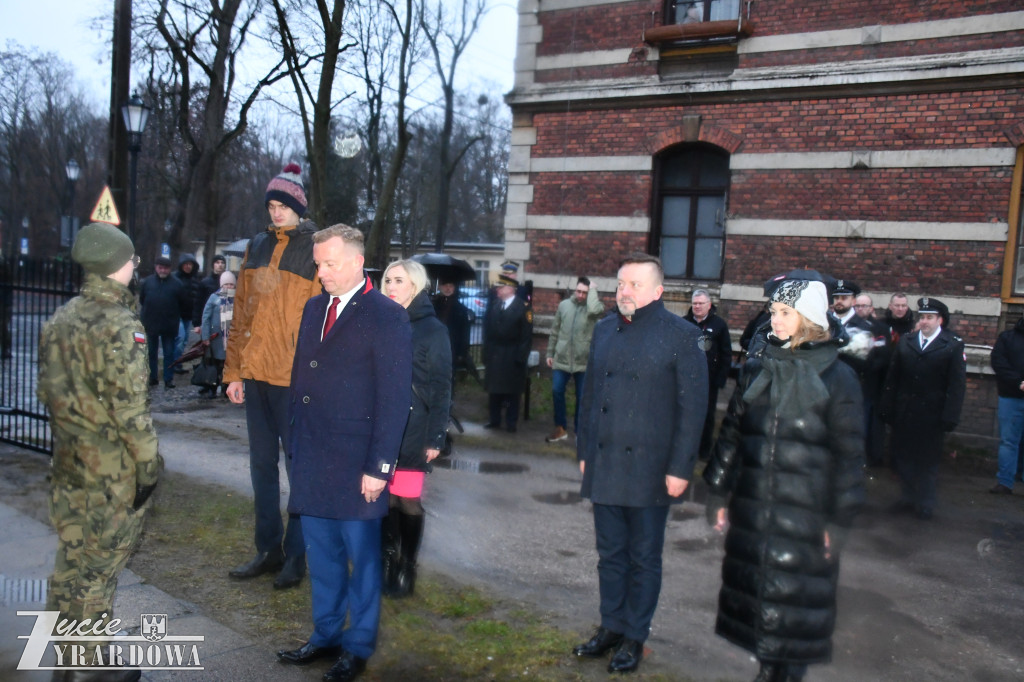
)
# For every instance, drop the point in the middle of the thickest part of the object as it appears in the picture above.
(155, 342)
(1011, 427)
(630, 541)
(559, 382)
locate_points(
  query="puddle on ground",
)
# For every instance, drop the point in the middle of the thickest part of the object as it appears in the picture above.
(562, 497)
(477, 467)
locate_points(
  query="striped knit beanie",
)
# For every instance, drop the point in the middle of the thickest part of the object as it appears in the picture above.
(287, 188)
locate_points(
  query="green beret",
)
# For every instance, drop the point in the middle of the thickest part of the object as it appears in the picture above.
(102, 249)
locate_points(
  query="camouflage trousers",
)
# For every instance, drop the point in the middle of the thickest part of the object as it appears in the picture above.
(97, 530)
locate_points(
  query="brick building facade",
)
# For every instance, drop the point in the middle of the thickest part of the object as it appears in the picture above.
(879, 142)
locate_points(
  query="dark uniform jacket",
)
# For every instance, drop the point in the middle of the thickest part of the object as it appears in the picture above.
(1008, 361)
(508, 334)
(643, 407)
(161, 301)
(351, 395)
(789, 478)
(456, 318)
(924, 391)
(431, 383)
(717, 346)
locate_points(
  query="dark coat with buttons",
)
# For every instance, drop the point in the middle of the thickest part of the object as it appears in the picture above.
(643, 407)
(923, 394)
(351, 395)
(508, 334)
(788, 479)
(431, 383)
(717, 346)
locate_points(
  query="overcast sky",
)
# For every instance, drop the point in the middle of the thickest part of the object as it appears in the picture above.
(62, 26)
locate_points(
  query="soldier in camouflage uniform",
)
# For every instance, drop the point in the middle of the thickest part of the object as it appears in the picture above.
(92, 379)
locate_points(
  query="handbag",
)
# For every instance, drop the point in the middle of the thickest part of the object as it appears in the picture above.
(205, 373)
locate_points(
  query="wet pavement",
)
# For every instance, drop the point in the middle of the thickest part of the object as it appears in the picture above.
(939, 600)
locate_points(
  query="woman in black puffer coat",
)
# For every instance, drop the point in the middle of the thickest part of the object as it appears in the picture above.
(789, 464)
(405, 282)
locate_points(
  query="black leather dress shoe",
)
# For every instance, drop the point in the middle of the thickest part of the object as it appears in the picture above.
(291, 573)
(264, 562)
(347, 668)
(307, 653)
(627, 657)
(601, 643)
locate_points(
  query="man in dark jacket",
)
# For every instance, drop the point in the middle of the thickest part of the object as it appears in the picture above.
(188, 275)
(160, 296)
(508, 333)
(1008, 363)
(207, 285)
(714, 339)
(644, 403)
(922, 399)
(456, 317)
(353, 342)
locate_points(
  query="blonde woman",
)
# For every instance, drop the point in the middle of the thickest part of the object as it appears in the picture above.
(405, 282)
(788, 463)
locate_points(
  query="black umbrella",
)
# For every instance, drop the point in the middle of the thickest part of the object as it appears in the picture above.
(443, 267)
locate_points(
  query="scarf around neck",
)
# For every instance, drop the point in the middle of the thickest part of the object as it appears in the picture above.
(794, 378)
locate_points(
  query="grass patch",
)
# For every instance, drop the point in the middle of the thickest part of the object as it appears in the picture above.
(196, 532)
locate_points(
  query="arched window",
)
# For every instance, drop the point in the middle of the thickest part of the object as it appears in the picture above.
(688, 226)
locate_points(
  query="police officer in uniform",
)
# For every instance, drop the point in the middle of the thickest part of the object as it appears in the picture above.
(92, 380)
(922, 399)
(508, 334)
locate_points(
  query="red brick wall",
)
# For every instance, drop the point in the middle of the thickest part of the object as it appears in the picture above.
(958, 120)
(601, 27)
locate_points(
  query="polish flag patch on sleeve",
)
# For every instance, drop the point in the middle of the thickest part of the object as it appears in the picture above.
(140, 337)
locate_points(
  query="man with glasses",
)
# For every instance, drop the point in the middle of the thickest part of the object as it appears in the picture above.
(568, 348)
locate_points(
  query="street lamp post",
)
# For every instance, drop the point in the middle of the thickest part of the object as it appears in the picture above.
(135, 114)
(73, 170)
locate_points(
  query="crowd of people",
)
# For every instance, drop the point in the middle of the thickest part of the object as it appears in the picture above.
(824, 388)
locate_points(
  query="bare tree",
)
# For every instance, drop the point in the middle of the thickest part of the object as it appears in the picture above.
(379, 240)
(448, 34)
(204, 47)
(299, 55)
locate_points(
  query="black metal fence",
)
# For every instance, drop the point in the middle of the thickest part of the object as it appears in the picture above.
(30, 290)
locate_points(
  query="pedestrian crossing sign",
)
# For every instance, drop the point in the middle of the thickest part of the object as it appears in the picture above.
(106, 210)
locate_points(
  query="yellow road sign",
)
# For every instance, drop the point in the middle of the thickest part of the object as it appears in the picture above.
(105, 211)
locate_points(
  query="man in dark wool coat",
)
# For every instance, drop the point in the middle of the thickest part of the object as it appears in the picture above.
(922, 398)
(643, 410)
(508, 333)
(351, 390)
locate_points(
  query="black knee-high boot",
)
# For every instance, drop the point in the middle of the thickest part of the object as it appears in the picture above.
(391, 550)
(412, 533)
(771, 672)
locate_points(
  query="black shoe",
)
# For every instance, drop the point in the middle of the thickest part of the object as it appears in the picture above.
(601, 643)
(412, 534)
(291, 573)
(901, 507)
(264, 562)
(153, 381)
(771, 672)
(347, 668)
(492, 426)
(307, 653)
(1000, 489)
(168, 384)
(627, 657)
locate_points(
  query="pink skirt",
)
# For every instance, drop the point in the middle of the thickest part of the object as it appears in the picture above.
(407, 483)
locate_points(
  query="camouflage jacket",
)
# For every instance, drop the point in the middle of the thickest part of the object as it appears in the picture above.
(92, 379)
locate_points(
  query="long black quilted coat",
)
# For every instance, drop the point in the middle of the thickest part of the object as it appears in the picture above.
(787, 480)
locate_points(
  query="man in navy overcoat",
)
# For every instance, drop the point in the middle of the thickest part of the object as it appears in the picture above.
(643, 410)
(351, 392)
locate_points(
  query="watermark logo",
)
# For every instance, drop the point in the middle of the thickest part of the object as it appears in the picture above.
(154, 626)
(65, 643)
